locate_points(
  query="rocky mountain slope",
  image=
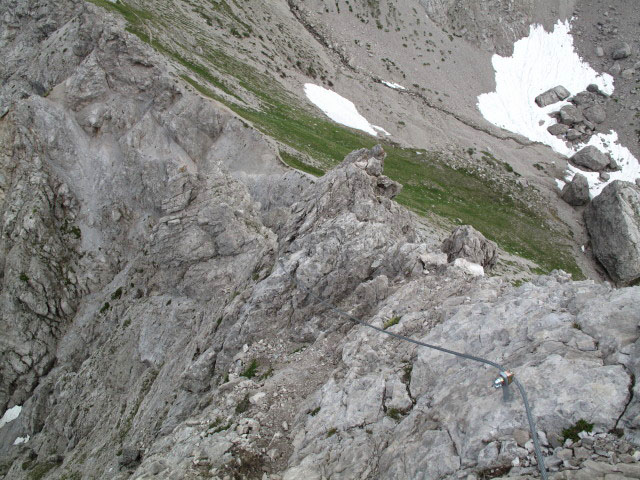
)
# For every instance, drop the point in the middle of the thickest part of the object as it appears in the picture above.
(156, 252)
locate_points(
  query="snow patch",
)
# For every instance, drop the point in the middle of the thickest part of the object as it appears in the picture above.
(339, 109)
(539, 62)
(10, 415)
(21, 440)
(395, 86)
(469, 267)
(380, 129)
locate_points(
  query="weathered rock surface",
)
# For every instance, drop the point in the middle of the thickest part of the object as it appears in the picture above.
(590, 158)
(458, 418)
(576, 192)
(466, 242)
(613, 221)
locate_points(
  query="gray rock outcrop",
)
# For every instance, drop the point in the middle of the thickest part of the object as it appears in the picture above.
(613, 222)
(551, 96)
(466, 242)
(590, 158)
(576, 192)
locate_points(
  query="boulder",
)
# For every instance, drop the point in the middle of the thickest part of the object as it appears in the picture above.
(573, 134)
(576, 192)
(595, 114)
(628, 73)
(130, 456)
(615, 69)
(591, 158)
(583, 99)
(557, 129)
(620, 51)
(552, 96)
(613, 222)
(614, 165)
(570, 115)
(466, 242)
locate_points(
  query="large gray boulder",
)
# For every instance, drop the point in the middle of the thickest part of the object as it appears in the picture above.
(466, 242)
(591, 158)
(576, 192)
(613, 222)
(552, 96)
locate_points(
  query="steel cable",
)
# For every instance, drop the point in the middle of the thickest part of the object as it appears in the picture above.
(532, 425)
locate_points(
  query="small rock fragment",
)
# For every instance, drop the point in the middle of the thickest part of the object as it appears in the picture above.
(552, 96)
(130, 456)
(557, 129)
(622, 50)
(573, 134)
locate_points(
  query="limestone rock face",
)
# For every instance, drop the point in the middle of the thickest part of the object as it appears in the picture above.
(466, 242)
(613, 221)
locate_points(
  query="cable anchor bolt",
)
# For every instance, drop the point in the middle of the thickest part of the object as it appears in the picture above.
(503, 381)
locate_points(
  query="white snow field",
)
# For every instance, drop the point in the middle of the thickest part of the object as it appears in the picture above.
(339, 109)
(10, 415)
(539, 62)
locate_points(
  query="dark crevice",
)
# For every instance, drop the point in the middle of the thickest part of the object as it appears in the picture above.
(632, 385)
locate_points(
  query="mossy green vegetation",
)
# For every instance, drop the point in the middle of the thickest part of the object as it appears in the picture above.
(391, 322)
(572, 432)
(251, 370)
(131, 14)
(298, 163)
(394, 413)
(243, 405)
(39, 470)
